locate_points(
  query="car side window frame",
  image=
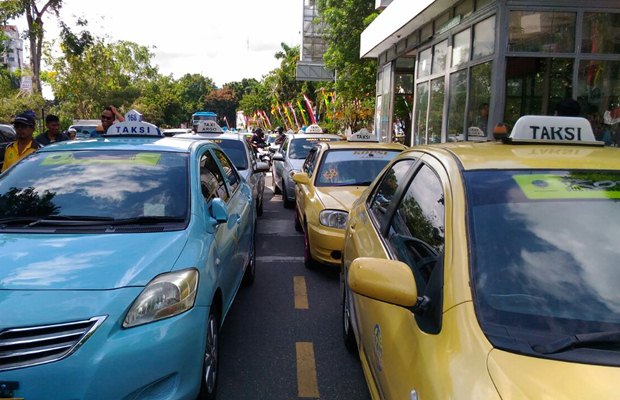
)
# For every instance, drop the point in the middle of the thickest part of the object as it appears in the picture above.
(381, 221)
(231, 176)
(210, 170)
(425, 259)
(309, 163)
(284, 148)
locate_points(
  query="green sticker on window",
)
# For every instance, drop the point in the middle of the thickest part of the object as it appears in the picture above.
(573, 186)
(68, 158)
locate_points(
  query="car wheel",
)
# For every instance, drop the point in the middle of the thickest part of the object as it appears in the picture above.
(211, 358)
(250, 269)
(308, 260)
(276, 189)
(286, 202)
(348, 334)
(298, 226)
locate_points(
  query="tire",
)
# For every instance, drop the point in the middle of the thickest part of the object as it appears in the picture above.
(308, 260)
(347, 331)
(298, 226)
(210, 365)
(286, 202)
(250, 269)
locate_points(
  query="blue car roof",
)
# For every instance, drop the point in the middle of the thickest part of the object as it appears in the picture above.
(167, 144)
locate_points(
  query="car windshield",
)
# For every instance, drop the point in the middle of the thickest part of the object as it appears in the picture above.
(96, 184)
(300, 147)
(352, 167)
(235, 150)
(544, 251)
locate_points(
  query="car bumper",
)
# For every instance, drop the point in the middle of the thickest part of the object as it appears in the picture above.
(326, 244)
(160, 360)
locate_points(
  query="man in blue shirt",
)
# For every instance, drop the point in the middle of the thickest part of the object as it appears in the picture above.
(53, 133)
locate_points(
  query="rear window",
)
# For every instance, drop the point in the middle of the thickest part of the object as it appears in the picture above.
(106, 184)
(352, 167)
(300, 147)
(235, 150)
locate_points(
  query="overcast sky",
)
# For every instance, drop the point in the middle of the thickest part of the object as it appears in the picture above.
(223, 40)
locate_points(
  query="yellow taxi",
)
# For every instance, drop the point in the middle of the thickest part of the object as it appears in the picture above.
(489, 270)
(333, 176)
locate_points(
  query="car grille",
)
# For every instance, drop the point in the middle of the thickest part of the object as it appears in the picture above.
(24, 347)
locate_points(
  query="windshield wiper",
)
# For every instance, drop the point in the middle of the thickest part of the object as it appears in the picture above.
(72, 220)
(580, 340)
(146, 219)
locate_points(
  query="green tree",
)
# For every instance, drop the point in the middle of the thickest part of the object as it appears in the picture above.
(98, 75)
(34, 13)
(344, 21)
(222, 102)
(192, 89)
(159, 102)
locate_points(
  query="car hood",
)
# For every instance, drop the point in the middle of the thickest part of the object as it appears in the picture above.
(93, 261)
(339, 198)
(523, 377)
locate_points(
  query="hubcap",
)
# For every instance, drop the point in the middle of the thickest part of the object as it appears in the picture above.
(211, 355)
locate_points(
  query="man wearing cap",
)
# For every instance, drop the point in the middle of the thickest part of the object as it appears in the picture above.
(53, 133)
(24, 127)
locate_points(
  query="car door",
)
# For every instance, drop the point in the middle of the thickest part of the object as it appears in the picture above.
(213, 185)
(278, 166)
(240, 219)
(401, 347)
(256, 180)
(304, 193)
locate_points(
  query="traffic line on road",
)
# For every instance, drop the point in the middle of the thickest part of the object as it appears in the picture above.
(301, 293)
(307, 385)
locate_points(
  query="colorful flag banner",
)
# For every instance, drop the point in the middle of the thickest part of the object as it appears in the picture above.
(301, 111)
(310, 109)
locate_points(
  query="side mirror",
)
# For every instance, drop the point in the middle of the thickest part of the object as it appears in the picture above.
(219, 212)
(278, 157)
(302, 178)
(261, 166)
(384, 280)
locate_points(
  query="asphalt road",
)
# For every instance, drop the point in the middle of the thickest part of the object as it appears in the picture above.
(282, 338)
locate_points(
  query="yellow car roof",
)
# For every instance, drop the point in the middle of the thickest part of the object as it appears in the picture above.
(499, 155)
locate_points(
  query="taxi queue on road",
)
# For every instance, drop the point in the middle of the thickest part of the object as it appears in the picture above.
(468, 270)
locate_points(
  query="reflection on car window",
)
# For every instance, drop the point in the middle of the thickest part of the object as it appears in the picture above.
(235, 150)
(417, 230)
(211, 180)
(229, 171)
(107, 184)
(385, 191)
(308, 166)
(352, 167)
(545, 249)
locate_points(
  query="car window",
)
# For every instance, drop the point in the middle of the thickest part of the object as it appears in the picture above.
(300, 147)
(230, 173)
(235, 150)
(417, 226)
(387, 188)
(285, 145)
(212, 181)
(308, 166)
(103, 183)
(355, 167)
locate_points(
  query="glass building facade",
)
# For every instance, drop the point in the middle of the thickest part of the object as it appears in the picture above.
(480, 62)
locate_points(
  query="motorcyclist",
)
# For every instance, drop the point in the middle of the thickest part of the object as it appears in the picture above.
(281, 135)
(258, 140)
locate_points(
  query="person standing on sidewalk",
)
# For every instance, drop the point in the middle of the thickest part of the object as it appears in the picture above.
(24, 124)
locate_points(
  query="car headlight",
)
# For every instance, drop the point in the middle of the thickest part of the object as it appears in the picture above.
(293, 172)
(165, 296)
(334, 218)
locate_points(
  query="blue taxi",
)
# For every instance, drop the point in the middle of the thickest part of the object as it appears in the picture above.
(121, 257)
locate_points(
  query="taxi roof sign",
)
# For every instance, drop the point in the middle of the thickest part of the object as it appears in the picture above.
(553, 129)
(314, 128)
(208, 126)
(362, 136)
(133, 126)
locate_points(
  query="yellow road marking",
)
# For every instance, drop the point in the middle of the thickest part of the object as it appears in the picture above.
(306, 370)
(301, 293)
